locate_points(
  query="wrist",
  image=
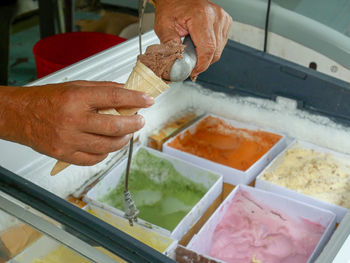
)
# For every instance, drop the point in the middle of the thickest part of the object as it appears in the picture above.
(12, 113)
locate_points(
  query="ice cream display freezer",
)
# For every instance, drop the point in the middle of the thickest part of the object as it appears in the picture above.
(248, 86)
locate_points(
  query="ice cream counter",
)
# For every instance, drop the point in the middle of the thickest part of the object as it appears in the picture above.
(249, 164)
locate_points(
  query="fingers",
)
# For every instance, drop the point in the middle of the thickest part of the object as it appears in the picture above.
(97, 150)
(91, 83)
(205, 42)
(109, 125)
(85, 159)
(207, 23)
(209, 33)
(165, 24)
(166, 36)
(220, 42)
(97, 144)
(108, 94)
(116, 97)
(223, 32)
(68, 127)
(167, 31)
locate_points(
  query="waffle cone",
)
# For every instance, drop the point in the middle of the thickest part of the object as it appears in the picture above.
(141, 79)
(59, 166)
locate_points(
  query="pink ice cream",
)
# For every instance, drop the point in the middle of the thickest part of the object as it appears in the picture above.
(253, 232)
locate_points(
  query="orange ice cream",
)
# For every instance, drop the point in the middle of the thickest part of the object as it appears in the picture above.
(215, 140)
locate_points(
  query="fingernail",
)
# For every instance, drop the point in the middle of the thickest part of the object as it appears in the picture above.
(141, 120)
(194, 78)
(149, 100)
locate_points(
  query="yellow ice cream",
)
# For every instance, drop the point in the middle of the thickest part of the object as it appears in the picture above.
(64, 255)
(317, 174)
(152, 239)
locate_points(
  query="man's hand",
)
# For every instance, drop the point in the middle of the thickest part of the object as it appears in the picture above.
(207, 23)
(61, 120)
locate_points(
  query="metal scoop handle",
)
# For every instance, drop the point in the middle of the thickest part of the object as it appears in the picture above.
(182, 68)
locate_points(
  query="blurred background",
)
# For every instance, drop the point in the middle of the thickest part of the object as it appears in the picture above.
(21, 25)
(311, 33)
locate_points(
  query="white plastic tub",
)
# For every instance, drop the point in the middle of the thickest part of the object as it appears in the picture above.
(201, 242)
(231, 175)
(209, 179)
(139, 232)
(46, 245)
(261, 183)
(184, 255)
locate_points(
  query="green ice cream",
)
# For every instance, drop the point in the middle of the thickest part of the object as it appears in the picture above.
(160, 192)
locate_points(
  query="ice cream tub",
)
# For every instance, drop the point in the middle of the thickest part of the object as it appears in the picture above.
(311, 174)
(184, 255)
(161, 243)
(253, 225)
(236, 150)
(47, 250)
(170, 193)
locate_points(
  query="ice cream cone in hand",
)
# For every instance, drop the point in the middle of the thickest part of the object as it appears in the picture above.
(141, 79)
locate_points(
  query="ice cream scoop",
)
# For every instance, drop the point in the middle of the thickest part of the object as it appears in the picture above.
(183, 67)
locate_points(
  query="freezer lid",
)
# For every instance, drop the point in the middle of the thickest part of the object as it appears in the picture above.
(246, 71)
(321, 25)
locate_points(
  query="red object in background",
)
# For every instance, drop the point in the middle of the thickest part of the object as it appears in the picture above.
(59, 51)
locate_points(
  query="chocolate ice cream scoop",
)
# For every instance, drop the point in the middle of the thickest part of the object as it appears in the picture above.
(161, 57)
(183, 67)
(171, 61)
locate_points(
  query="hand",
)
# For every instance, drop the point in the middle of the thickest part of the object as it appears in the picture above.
(61, 120)
(207, 23)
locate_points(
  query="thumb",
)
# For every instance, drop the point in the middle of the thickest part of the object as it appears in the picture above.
(167, 35)
(167, 30)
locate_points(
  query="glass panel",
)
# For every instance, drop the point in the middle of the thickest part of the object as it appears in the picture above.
(334, 14)
(20, 241)
(321, 30)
